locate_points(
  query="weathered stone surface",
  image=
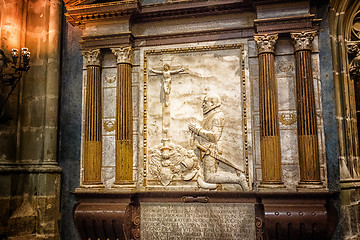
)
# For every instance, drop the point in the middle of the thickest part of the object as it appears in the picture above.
(23, 220)
(197, 221)
(5, 213)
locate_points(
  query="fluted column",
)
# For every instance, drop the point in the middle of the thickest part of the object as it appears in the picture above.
(93, 118)
(124, 117)
(306, 111)
(268, 108)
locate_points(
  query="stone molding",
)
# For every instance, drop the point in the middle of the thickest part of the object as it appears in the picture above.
(266, 43)
(124, 54)
(79, 14)
(286, 24)
(92, 57)
(303, 40)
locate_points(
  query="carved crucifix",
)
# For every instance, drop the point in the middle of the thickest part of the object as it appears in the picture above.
(166, 72)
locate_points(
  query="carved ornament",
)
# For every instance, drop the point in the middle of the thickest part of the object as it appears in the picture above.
(355, 28)
(303, 40)
(110, 79)
(169, 160)
(259, 228)
(287, 119)
(354, 59)
(265, 43)
(91, 57)
(109, 126)
(123, 55)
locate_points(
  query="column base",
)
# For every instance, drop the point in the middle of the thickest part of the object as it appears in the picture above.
(271, 186)
(310, 185)
(126, 185)
(92, 185)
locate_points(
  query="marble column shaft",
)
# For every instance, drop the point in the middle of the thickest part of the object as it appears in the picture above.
(124, 117)
(306, 110)
(268, 108)
(93, 120)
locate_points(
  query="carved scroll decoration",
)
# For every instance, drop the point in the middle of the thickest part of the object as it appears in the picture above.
(123, 55)
(259, 228)
(91, 57)
(303, 40)
(266, 43)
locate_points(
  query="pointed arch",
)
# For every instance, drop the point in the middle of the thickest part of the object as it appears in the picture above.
(341, 17)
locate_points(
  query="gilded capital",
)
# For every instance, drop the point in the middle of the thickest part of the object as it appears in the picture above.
(123, 55)
(266, 43)
(91, 57)
(303, 40)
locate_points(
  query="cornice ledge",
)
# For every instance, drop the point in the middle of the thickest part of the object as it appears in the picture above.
(192, 7)
(286, 24)
(104, 41)
(78, 15)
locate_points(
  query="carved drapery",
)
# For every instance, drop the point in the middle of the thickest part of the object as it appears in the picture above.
(308, 146)
(93, 117)
(268, 107)
(124, 116)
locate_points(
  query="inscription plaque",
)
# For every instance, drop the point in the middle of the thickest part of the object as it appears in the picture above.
(226, 221)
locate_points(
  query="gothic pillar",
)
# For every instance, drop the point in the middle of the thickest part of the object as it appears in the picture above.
(268, 108)
(124, 117)
(93, 120)
(306, 111)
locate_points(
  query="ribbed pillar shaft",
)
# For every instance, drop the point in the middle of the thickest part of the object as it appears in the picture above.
(124, 117)
(93, 120)
(268, 110)
(308, 146)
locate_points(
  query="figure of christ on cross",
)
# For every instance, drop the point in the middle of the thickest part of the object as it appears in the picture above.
(166, 72)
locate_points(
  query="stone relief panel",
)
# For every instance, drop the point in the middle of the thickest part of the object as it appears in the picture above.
(195, 133)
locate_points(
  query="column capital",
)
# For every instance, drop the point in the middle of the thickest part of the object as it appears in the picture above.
(303, 40)
(266, 43)
(92, 57)
(123, 54)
